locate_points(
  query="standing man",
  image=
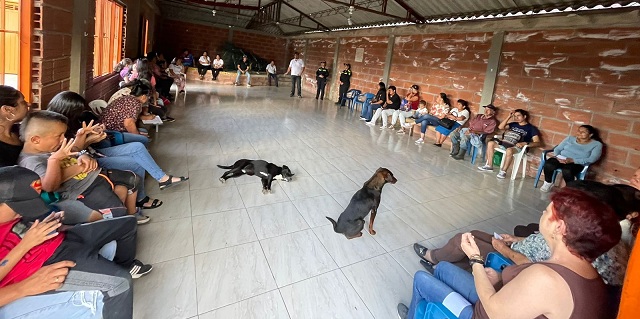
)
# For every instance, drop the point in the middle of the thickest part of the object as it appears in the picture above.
(272, 72)
(321, 76)
(296, 67)
(243, 68)
(345, 82)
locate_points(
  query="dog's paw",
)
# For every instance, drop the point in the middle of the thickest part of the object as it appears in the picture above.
(222, 180)
(265, 191)
(270, 192)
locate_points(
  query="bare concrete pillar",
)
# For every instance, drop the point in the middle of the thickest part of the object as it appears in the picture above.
(335, 71)
(492, 69)
(78, 79)
(388, 58)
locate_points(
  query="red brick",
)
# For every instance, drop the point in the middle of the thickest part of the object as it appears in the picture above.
(627, 108)
(595, 104)
(575, 116)
(622, 140)
(634, 160)
(611, 123)
(544, 110)
(616, 170)
(554, 125)
(636, 128)
(579, 88)
(615, 154)
(616, 92)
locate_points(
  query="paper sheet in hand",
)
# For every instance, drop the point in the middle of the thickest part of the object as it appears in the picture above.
(155, 121)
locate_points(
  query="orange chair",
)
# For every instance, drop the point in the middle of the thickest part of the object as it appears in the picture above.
(630, 301)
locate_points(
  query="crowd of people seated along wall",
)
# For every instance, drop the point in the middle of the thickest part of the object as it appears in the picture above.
(72, 188)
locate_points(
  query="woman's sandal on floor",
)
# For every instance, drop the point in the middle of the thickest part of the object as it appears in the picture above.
(154, 204)
(169, 182)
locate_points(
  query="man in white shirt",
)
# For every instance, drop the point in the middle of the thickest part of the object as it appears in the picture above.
(271, 71)
(296, 67)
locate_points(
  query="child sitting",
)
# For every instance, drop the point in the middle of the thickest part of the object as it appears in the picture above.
(48, 153)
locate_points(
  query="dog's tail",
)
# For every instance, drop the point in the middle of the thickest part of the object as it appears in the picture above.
(225, 167)
(333, 222)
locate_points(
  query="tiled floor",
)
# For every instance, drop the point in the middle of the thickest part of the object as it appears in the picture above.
(228, 251)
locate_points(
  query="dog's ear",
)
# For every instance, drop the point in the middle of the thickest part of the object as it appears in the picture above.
(285, 167)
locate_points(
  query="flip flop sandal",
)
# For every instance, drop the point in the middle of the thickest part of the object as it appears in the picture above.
(169, 182)
(155, 204)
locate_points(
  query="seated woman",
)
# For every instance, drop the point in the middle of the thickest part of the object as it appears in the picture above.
(13, 108)
(129, 156)
(123, 113)
(124, 69)
(411, 105)
(577, 228)
(176, 71)
(217, 67)
(572, 154)
(204, 64)
(438, 111)
(377, 102)
(459, 114)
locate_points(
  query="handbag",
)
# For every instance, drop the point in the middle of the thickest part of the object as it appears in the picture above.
(447, 123)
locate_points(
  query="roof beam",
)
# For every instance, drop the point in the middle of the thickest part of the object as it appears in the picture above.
(306, 15)
(224, 5)
(410, 10)
(357, 7)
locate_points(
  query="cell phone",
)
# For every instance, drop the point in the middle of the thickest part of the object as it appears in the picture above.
(53, 216)
(497, 236)
(560, 157)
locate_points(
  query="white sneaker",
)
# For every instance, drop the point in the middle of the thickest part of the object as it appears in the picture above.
(406, 125)
(502, 175)
(390, 126)
(485, 168)
(400, 131)
(370, 123)
(248, 85)
(546, 187)
(363, 119)
(420, 141)
(236, 84)
(382, 127)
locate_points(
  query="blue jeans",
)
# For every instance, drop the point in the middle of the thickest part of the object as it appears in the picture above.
(296, 81)
(133, 157)
(447, 279)
(367, 111)
(126, 138)
(68, 304)
(426, 120)
(248, 77)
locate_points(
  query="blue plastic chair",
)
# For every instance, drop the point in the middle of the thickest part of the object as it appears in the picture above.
(354, 97)
(436, 310)
(367, 100)
(473, 151)
(543, 159)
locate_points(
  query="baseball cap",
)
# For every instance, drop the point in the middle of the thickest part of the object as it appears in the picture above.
(20, 190)
(491, 106)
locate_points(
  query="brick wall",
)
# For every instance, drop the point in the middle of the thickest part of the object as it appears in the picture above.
(451, 63)
(567, 78)
(52, 50)
(177, 35)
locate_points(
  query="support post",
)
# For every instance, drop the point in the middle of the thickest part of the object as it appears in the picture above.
(387, 61)
(335, 71)
(493, 66)
(78, 80)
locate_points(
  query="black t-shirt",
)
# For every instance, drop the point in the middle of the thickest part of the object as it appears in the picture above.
(395, 102)
(322, 71)
(244, 65)
(345, 76)
(9, 154)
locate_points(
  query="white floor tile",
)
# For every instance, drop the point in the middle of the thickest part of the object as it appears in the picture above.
(221, 230)
(162, 241)
(207, 201)
(265, 306)
(316, 209)
(348, 251)
(276, 219)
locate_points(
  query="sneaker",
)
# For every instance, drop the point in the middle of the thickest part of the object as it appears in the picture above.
(138, 269)
(248, 85)
(502, 175)
(400, 131)
(485, 168)
(370, 124)
(363, 118)
(382, 127)
(236, 84)
(402, 311)
(168, 119)
(291, 95)
(300, 96)
(546, 187)
(419, 141)
(142, 219)
(390, 126)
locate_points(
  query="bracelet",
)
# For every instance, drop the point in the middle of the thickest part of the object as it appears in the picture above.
(476, 261)
(83, 152)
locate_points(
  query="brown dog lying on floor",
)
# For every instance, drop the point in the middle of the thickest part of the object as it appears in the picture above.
(367, 199)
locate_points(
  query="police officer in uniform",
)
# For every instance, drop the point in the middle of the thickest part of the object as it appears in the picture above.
(345, 81)
(321, 76)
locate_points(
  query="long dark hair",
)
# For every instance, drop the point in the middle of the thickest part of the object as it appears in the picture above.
(445, 99)
(595, 134)
(9, 95)
(142, 67)
(71, 105)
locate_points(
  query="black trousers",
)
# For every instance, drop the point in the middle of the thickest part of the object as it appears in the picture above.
(322, 83)
(163, 85)
(100, 193)
(215, 72)
(343, 93)
(296, 81)
(92, 271)
(274, 77)
(202, 69)
(569, 171)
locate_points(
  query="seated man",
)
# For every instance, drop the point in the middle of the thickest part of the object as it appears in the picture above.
(391, 105)
(74, 178)
(377, 102)
(39, 257)
(519, 133)
(243, 68)
(479, 126)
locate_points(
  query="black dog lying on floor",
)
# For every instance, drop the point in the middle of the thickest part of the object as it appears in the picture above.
(266, 171)
(367, 199)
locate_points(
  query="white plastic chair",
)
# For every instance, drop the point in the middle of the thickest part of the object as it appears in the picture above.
(517, 158)
(97, 106)
(184, 97)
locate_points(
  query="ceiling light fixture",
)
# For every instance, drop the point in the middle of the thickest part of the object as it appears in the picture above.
(213, 12)
(351, 9)
(349, 22)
